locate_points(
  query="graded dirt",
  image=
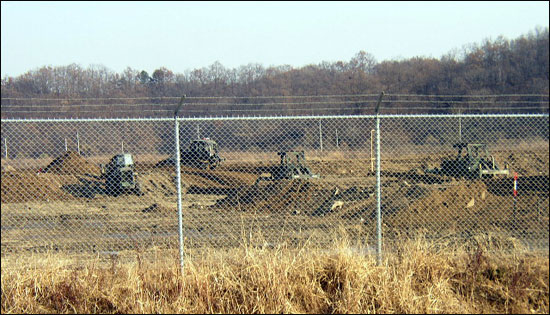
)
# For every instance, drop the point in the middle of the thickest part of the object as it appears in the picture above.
(222, 199)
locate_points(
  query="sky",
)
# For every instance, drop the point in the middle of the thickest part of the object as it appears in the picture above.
(183, 36)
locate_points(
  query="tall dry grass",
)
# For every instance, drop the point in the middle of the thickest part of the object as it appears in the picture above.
(419, 276)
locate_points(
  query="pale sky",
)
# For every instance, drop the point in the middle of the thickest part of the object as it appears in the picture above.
(189, 35)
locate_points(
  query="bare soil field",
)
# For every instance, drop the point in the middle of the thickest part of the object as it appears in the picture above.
(63, 204)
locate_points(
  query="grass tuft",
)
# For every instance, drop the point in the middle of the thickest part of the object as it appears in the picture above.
(417, 276)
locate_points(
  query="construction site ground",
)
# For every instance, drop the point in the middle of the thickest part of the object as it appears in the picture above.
(62, 206)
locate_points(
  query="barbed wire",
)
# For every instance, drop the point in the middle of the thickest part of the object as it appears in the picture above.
(294, 109)
(196, 97)
(197, 103)
(272, 104)
(323, 103)
(276, 96)
(473, 95)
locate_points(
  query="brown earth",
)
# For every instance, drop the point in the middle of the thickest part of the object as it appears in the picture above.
(71, 169)
(217, 202)
(71, 163)
(22, 187)
(7, 168)
(288, 196)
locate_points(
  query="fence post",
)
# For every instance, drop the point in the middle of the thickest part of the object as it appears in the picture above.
(372, 150)
(6, 147)
(320, 137)
(66, 149)
(459, 127)
(178, 181)
(77, 143)
(378, 193)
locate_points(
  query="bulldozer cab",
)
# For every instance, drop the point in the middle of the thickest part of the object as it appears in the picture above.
(204, 146)
(292, 158)
(120, 176)
(472, 150)
(472, 153)
(293, 165)
(477, 159)
(202, 153)
(122, 160)
(117, 163)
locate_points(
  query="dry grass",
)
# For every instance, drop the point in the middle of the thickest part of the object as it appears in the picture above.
(417, 277)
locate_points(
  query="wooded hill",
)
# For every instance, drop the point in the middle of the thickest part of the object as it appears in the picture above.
(485, 77)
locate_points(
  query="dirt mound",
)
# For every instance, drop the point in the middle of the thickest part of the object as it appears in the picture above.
(460, 196)
(20, 187)
(458, 206)
(71, 163)
(528, 163)
(160, 183)
(202, 180)
(283, 196)
(217, 178)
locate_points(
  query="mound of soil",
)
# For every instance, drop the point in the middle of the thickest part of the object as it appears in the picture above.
(463, 206)
(283, 196)
(211, 179)
(20, 187)
(459, 197)
(528, 163)
(71, 163)
(217, 178)
(161, 184)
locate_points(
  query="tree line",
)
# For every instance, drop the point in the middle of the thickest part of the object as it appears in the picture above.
(493, 67)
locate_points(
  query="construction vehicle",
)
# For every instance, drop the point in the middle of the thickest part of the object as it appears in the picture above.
(202, 153)
(472, 161)
(292, 165)
(120, 176)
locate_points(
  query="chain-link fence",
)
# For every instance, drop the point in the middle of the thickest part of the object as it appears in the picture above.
(105, 185)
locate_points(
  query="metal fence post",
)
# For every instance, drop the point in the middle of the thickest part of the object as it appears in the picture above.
(372, 150)
(459, 127)
(320, 137)
(77, 143)
(6, 147)
(378, 193)
(178, 181)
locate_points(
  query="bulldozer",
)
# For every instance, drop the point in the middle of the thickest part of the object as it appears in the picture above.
(473, 160)
(292, 165)
(202, 153)
(120, 176)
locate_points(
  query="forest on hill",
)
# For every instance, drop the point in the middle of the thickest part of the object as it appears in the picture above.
(495, 75)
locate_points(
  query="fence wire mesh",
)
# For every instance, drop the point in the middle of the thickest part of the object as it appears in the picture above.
(455, 176)
(107, 185)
